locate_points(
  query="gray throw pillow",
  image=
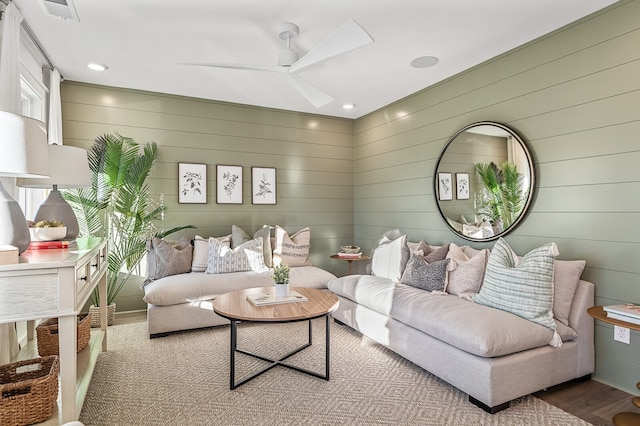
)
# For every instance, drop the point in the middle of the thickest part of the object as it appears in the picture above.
(423, 275)
(239, 237)
(166, 258)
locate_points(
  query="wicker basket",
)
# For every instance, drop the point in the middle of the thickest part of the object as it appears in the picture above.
(28, 391)
(47, 332)
(95, 315)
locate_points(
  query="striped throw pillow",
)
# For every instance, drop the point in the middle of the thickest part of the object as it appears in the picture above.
(292, 250)
(246, 257)
(523, 287)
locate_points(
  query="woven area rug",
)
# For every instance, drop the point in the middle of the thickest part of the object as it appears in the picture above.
(183, 379)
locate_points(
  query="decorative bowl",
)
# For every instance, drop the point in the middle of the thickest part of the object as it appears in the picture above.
(48, 234)
(350, 249)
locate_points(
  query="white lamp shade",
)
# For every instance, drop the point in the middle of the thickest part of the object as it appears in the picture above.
(24, 146)
(69, 168)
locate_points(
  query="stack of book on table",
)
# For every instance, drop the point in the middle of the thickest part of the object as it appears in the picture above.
(627, 312)
(262, 299)
(58, 244)
(344, 255)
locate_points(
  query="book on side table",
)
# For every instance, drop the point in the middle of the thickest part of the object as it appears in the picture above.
(261, 299)
(627, 312)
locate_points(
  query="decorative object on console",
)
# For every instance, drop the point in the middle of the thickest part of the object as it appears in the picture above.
(192, 183)
(263, 185)
(281, 279)
(69, 169)
(229, 184)
(24, 154)
(47, 230)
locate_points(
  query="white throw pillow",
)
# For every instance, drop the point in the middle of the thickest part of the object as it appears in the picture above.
(246, 257)
(201, 252)
(292, 250)
(390, 258)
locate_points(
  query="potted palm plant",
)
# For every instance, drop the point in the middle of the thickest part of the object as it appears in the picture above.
(118, 207)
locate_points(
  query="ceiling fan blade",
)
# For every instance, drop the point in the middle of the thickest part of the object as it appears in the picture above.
(254, 67)
(314, 95)
(348, 37)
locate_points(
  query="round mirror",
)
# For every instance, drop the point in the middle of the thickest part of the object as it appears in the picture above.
(483, 182)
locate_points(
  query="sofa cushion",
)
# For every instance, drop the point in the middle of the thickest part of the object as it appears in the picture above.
(201, 251)
(371, 291)
(523, 287)
(166, 258)
(390, 258)
(426, 276)
(246, 257)
(239, 236)
(196, 287)
(566, 275)
(466, 272)
(474, 328)
(292, 250)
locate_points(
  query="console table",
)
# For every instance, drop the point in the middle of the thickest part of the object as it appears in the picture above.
(57, 283)
(625, 418)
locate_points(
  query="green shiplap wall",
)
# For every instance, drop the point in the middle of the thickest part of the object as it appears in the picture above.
(574, 97)
(313, 156)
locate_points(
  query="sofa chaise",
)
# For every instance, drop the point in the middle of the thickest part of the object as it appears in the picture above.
(439, 321)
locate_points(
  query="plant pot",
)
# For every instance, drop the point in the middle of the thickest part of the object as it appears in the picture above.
(282, 290)
(95, 315)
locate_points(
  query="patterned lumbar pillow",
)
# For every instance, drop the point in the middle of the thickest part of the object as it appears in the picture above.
(292, 250)
(423, 275)
(201, 252)
(246, 257)
(166, 258)
(523, 286)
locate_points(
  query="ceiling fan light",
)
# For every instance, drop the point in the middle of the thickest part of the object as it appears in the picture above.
(287, 57)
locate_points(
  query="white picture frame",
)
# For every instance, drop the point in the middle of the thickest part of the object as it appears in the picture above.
(445, 186)
(462, 186)
(263, 185)
(192, 183)
(228, 184)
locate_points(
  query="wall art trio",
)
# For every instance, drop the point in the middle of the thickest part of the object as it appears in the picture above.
(192, 184)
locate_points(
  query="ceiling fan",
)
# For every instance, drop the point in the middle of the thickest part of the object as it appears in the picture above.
(348, 37)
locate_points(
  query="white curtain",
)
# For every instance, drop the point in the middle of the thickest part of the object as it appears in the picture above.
(10, 100)
(55, 110)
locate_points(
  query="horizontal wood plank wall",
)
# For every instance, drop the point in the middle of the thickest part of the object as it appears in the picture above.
(313, 156)
(574, 97)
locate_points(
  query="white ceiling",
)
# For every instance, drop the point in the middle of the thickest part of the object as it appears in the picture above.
(143, 42)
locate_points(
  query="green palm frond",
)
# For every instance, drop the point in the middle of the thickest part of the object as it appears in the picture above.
(118, 205)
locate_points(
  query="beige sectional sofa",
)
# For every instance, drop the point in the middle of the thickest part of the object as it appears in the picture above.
(491, 354)
(184, 277)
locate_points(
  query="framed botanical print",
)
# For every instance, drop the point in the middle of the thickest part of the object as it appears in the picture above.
(192, 183)
(229, 184)
(263, 185)
(462, 186)
(445, 186)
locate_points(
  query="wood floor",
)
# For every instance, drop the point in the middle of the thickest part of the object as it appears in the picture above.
(592, 401)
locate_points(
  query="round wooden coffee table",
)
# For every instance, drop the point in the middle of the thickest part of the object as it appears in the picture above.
(235, 307)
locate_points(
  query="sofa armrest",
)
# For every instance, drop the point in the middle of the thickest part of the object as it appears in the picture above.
(583, 324)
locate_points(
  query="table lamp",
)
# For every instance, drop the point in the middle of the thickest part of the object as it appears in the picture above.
(24, 154)
(69, 169)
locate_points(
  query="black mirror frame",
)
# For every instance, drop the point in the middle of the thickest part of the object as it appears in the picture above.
(532, 181)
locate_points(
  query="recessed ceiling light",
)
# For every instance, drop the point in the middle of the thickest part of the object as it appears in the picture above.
(96, 66)
(424, 62)
(349, 106)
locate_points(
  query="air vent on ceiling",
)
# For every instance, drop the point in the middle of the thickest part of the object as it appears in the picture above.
(63, 9)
